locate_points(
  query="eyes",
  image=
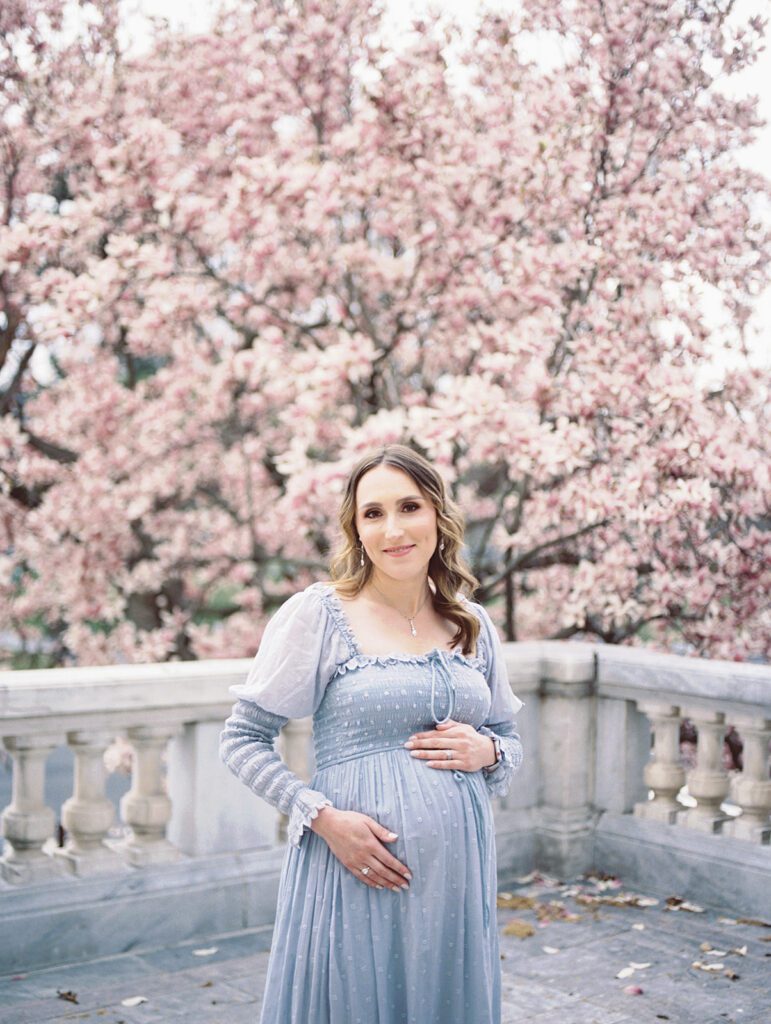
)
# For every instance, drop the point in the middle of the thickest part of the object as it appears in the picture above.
(408, 506)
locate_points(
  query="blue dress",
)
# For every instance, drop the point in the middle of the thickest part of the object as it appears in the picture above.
(342, 952)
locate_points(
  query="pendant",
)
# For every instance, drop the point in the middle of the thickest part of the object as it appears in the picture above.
(412, 627)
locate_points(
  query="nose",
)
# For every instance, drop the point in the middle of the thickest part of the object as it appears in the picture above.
(392, 528)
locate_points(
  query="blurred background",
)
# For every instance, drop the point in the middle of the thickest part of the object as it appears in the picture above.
(240, 247)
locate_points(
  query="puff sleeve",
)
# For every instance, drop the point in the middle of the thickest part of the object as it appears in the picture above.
(503, 707)
(287, 679)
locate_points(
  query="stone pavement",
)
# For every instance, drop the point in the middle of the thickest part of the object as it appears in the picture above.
(562, 948)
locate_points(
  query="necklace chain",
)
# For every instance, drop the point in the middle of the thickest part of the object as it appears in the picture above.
(409, 618)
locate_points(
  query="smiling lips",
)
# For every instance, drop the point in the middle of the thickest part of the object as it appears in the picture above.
(399, 551)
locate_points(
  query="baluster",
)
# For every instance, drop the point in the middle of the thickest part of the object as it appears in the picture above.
(27, 822)
(294, 747)
(708, 782)
(146, 808)
(664, 773)
(88, 814)
(752, 788)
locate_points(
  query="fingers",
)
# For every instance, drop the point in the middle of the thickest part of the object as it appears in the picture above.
(434, 753)
(384, 857)
(379, 876)
(396, 870)
(361, 845)
(431, 742)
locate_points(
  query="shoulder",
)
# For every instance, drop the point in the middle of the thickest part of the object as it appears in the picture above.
(488, 634)
(476, 609)
(303, 604)
(482, 640)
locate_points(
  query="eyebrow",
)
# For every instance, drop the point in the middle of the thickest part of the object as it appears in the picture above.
(410, 497)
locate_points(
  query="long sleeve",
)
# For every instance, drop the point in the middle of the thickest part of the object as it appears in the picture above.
(503, 708)
(287, 680)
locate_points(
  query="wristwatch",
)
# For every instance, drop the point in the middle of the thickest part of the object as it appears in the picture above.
(497, 744)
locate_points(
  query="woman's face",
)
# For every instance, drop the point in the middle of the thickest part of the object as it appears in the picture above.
(392, 513)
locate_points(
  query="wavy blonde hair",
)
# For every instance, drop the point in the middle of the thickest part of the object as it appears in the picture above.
(447, 569)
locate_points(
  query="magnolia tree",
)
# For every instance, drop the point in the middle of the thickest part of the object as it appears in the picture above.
(234, 262)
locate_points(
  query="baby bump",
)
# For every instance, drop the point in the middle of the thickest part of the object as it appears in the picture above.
(435, 814)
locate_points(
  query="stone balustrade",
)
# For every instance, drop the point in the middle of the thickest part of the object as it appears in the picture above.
(165, 712)
(712, 695)
(602, 787)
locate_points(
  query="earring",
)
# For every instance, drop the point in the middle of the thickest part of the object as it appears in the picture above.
(441, 544)
(361, 561)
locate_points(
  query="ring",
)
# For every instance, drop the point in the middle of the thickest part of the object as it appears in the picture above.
(365, 871)
(448, 754)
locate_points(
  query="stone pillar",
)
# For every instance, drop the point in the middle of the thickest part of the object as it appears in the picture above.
(752, 788)
(664, 773)
(567, 751)
(213, 811)
(88, 814)
(146, 808)
(708, 782)
(27, 822)
(294, 746)
(623, 750)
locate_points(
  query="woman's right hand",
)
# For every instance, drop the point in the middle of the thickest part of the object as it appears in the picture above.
(357, 842)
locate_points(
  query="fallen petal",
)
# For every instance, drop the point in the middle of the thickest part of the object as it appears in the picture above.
(522, 929)
(717, 952)
(741, 951)
(549, 949)
(633, 990)
(205, 952)
(639, 927)
(510, 901)
(625, 972)
(677, 903)
(133, 1001)
(638, 967)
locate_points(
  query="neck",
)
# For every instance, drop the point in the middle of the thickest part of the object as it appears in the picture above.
(406, 595)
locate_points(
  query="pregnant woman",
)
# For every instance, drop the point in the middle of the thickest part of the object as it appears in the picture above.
(386, 904)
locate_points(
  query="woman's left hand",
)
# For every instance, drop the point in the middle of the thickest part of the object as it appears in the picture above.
(470, 749)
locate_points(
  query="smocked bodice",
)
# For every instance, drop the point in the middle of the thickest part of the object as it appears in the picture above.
(376, 702)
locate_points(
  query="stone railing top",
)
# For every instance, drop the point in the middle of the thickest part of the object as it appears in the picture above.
(178, 690)
(635, 673)
(192, 690)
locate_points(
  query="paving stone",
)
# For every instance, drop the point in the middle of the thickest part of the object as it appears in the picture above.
(576, 985)
(183, 956)
(582, 1013)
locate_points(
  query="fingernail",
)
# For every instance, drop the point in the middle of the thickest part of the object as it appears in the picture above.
(381, 887)
(408, 875)
(392, 835)
(414, 753)
(409, 744)
(405, 886)
(395, 888)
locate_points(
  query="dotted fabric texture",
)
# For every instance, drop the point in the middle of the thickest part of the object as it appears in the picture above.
(343, 952)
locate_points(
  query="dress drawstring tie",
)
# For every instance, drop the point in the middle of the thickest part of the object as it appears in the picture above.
(440, 666)
(438, 661)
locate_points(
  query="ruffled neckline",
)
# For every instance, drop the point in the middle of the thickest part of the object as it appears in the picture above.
(358, 659)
